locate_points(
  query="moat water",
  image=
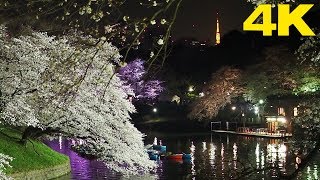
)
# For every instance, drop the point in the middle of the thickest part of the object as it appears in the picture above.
(215, 156)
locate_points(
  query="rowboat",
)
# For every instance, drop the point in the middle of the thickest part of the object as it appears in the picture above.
(160, 148)
(174, 156)
(179, 156)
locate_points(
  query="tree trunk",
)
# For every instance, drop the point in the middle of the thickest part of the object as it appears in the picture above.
(28, 132)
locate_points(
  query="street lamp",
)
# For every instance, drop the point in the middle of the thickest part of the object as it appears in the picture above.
(155, 110)
(261, 101)
(256, 110)
(191, 88)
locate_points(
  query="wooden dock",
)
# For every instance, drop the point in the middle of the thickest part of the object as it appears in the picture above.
(264, 135)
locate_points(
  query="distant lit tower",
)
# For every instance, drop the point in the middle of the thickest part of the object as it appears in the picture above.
(218, 31)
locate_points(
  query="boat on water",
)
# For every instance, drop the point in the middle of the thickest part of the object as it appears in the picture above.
(157, 152)
(174, 156)
(182, 156)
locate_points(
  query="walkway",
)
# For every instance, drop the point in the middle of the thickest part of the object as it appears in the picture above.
(267, 135)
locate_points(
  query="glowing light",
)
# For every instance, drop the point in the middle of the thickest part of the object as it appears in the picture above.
(60, 142)
(212, 153)
(315, 172)
(201, 94)
(235, 150)
(277, 119)
(222, 157)
(155, 110)
(262, 159)
(277, 153)
(261, 101)
(192, 149)
(295, 111)
(282, 120)
(204, 146)
(222, 150)
(235, 156)
(191, 88)
(234, 108)
(155, 141)
(282, 148)
(160, 42)
(218, 38)
(258, 154)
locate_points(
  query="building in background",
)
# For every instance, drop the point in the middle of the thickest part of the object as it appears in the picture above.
(218, 36)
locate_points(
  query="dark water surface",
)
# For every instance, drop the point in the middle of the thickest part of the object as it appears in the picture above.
(215, 156)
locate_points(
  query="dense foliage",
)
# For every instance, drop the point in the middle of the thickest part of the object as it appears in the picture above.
(309, 51)
(275, 74)
(308, 121)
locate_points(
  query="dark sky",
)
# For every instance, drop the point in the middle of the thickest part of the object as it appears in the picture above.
(197, 18)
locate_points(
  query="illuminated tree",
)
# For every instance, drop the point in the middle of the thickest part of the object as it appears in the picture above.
(276, 74)
(133, 75)
(65, 85)
(225, 85)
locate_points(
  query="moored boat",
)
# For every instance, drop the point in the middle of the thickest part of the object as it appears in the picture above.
(160, 148)
(174, 156)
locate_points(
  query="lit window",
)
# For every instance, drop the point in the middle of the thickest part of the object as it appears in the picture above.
(281, 111)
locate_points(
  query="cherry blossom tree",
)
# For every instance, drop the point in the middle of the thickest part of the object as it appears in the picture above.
(225, 85)
(133, 74)
(65, 85)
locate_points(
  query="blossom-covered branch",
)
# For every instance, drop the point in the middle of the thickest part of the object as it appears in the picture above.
(133, 75)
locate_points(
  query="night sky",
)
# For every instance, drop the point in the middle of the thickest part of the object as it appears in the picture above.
(197, 18)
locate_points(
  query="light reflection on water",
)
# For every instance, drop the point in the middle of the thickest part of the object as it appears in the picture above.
(215, 156)
(82, 169)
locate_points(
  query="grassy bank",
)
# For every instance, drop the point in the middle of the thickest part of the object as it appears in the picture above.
(35, 155)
